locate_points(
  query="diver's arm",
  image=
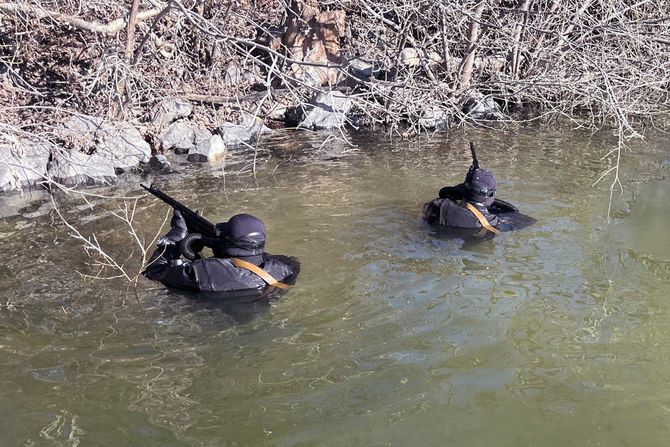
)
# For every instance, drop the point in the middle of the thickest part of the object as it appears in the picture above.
(167, 267)
(501, 206)
(165, 264)
(160, 261)
(289, 268)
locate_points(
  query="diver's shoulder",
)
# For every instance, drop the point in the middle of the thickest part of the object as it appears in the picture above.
(442, 202)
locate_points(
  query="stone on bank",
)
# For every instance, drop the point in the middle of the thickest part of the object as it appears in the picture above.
(121, 144)
(234, 135)
(324, 111)
(179, 137)
(169, 111)
(210, 150)
(23, 165)
(71, 168)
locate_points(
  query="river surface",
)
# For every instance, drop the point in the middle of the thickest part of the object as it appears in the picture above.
(554, 335)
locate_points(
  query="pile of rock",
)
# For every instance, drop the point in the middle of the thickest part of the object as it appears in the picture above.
(105, 150)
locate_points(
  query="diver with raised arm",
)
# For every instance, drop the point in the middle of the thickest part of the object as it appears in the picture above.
(239, 267)
(471, 207)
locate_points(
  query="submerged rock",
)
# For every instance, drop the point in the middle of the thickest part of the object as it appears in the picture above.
(54, 374)
(159, 163)
(16, 204)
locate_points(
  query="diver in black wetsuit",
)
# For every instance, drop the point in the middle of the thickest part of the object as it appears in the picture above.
(239, 268)
(471, 207)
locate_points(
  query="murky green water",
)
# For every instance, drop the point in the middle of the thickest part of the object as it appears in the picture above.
(555, 335)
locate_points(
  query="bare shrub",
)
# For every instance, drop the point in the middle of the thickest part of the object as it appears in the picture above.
(607, 60)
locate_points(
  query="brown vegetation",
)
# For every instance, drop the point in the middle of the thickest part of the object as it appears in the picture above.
(605, 60)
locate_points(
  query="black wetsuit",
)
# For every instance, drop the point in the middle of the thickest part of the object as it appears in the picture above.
(450, 211)
(217, 277)
(455, 214)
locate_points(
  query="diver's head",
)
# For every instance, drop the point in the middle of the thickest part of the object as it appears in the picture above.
(480, 186)
(244, 237)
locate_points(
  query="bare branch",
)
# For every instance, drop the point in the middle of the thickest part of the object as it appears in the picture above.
(109, 28)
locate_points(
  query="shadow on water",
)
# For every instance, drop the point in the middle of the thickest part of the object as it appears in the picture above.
(242, 307)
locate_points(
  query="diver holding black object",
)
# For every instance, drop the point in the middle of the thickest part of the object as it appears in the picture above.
(472, 205)
(201, 233)
(240, 266)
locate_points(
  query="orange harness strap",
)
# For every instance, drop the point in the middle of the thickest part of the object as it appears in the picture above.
(260, 272)
(480, 217)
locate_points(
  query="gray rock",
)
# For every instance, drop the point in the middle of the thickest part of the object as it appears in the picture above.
(126, 148)
(360, 69)
(210, 150)
(235, 75)
(277, 112)
(433, 117)
(253, 122)
(170, 110)
(71, 168)
(480, 107)
(179, 136)
(37, 209)
(23, 165)
(85, 124)
(410, 57)
(326, 111)
(201, 135)
(160, 163)
(121, 144)
(8, 178)
(234, 135)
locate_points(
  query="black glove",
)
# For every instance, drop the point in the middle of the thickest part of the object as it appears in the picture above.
(176, 233)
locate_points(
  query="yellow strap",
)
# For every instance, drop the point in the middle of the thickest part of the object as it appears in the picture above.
(480, 217)
(260, 272)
